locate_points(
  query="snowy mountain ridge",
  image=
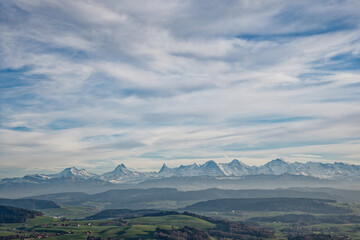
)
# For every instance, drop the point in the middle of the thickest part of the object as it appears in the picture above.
(235, 168)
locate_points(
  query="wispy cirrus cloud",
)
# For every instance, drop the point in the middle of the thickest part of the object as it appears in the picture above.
(92, 84)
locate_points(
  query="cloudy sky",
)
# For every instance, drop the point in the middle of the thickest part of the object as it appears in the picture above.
(95, 83)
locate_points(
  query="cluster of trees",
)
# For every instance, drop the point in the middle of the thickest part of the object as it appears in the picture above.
(185, 233)
(308, 219)
(340, 219)
(16, 215)
(317, 237)
(234, 230)
(95, 238)
(122, 213)
(161, 213)
(302, 219)
(101, 238)
(16, 236)
(128, 213)
(30, 236)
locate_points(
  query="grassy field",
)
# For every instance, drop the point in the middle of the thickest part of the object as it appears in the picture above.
(143, 227)
(283, 229)
(175, 220)
(71, 212)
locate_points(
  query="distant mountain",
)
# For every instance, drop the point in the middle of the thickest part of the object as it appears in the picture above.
(119, 171)
(275, 173)
(210, 168)
(73, 172)
(123, 175)
(262, 181)
(236, 168)
(276, 167)
(165, 171)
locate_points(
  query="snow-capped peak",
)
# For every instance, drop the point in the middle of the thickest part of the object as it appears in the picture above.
(119, 172)
(121, 168)
(165, 171)
(276, 166)
(211, 168)
(235, 168)
(210, 163)
(235, 161)
(277, 161)
(73, 172)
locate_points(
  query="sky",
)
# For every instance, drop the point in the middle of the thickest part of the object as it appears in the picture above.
(93, 84)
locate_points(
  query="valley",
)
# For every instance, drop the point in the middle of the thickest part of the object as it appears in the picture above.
(114, 215)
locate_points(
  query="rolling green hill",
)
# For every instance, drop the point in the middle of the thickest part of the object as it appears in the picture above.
(171, 225)
(268, 204)
(32, 204)
(121, 213)
(168, 198)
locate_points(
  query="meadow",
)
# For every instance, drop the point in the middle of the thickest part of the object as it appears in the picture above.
(69, 222)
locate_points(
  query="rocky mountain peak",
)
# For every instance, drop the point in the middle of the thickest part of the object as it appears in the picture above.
(163, 168)
(120, 167)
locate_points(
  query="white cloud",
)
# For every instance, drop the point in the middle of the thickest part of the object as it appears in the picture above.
(178, 81)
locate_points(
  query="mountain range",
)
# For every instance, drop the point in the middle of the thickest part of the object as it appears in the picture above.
(233, 169)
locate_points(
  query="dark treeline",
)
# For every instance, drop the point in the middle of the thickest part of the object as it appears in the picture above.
(30, 236)
(268, 204)
(32, 204)
(316, 237)
(231, 229)
(307, 219)
(185, 233)
(161, 213)
(122, 213)
(16, 236)
(16, 215)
